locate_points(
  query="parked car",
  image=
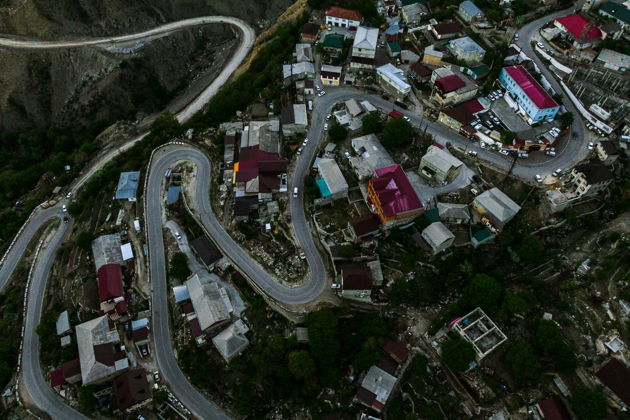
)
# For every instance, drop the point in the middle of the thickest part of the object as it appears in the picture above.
(516, 37)
(335, 286)
(295, 192)
(328, 117)
(550, 153)
(347, 155)
(504, 152)
(326, 127)
(299, 151)
(305, 142)
(538, 178)
(591, 145)
(178, 236)
(482, 144)
(472, 153)
(64, 208)
(557, 172)
(523, 155)
(69, 195)
(406, 118)
(540, 45)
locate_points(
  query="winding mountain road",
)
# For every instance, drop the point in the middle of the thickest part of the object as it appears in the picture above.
(41, 395)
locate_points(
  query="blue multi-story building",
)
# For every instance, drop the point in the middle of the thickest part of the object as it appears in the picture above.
(529, 94)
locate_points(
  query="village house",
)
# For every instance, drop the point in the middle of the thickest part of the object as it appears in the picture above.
(438, 237)
(466, 49)
(294, 120)
(615, 376)
(127, 186)
(469, 12)
(607, 152)
(453, 213)
(232, 341)
(132, 390)
(330, 75)
(478, 329)
(432, 56)
(618, 11)
(309, 32)
(451, 87)
(553, 409)
(345, 18)
(532, 99)
(356, 282)
(412, 12)
(364, 48)
(331, 182)
(393, 80)
(391, 196)
(439, 165)
(579, 30)
(445, 30)
(590, 178)
(495, 206)
(376, 387)
(364, 228)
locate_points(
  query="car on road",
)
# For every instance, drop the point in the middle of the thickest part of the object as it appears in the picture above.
(557, 172)
(302, 255)
(178, 236)
(540, 45)
(515, 37)
(538, 178)
(504, 152)
(326, 127)
(347, 155)
(328, 117)
(295, 192)
(156, 376)
(335, 286)
(329, 27)
(299, 151)
(472, 153)
(523, 155)
(305, 142)
(406, 118)
(64, 208)
(482, 144)
(550, 153)
(69, 195)
(591, 145)
(321, 93)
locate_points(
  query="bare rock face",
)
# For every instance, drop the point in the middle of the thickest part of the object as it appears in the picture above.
(74, 87)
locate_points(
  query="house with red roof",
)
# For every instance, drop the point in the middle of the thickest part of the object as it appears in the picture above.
(534, 101)
(258, 172)
(579, 29)
(345, 18)
(110, 291)
(392, 197)
(451, 87)
(460, 116)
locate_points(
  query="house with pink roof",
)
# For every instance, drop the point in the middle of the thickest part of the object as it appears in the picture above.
(579, 29)
(392, 197)
(533, 100)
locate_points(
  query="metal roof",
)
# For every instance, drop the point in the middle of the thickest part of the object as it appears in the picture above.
(127, 185)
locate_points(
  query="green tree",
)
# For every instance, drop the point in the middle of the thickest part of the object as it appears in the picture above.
(566, 119)
(507, 137)
(75, 209)
(338, 133)
(457, 354)
(485, 292)
(515, 304)
(87, 400)
(166, 126)
(301, 364)
(531, 249)
(371, 123)
(522, 363)
(589, 404)
(179, 266)
(84, 240)
(550, 342)
(323, 343)
(397, 133)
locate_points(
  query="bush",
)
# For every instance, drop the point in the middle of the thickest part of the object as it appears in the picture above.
(371, 123)
(397, 133)
(179, 266)
(338, 133)
(457, 354)
(589, 404)
(522, 363)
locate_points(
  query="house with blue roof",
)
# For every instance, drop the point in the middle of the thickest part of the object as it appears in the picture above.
(127, 186)
(470, 12)
(466, 49)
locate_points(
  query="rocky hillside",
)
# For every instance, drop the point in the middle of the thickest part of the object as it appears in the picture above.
(65, 88)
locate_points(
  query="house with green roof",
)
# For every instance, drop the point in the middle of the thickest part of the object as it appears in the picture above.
(394, 49)
(617, 11)
(333, 44)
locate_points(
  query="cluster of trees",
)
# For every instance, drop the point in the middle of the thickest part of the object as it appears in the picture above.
(178, 268)
(397, 133)
(11, 323)
(291, 372)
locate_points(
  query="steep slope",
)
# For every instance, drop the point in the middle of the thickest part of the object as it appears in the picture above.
(74, 87)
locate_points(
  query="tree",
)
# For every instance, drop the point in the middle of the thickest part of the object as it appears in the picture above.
(75, 209)
(84, 240)
(507, 137)
(515, 304)
(338, 133)
(301, 365)
(166, 126)
(87, 400)
(531, 249)
(397, 132)
(371, 123)
(550, 342)
(566, 119)
(179, 266)
(522, 363)
(589, 404)
(485, 292)
(457, 354)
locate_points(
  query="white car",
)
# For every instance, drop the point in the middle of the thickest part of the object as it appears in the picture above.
(321, 93)
(482, 144)
(178, 236)
(328, 117)
(504, 152)
(540, 45)
(299, 151)
(347, 155)
(538, 178)
(326, 127)
(406, 118)
(557, 172)
(591, 145)
(550, 153)
(472, 153)
(335, 286)
(64, 208)
(516, 37)
(69, 195)
(478, 127)
(305, 142)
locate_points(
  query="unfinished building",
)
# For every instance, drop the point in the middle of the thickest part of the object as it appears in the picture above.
(477, 328)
